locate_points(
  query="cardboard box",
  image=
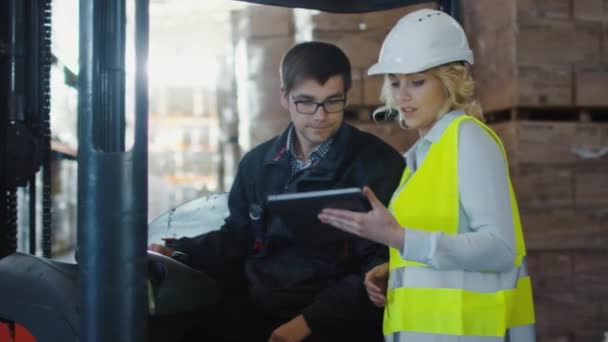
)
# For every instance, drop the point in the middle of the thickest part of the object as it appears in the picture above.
(371, 21)
(260, 99)
(385, 20)
(494, 70)
(593, 135)
(541, 183)
(591, 183)
(488, 15)
(261, 57)
(514, 68)
(589, 335)
(591, 88)
(549, 141)
(532, 10)
(555, 229)
(604, 57)
(526, 51)
(362, 48)
(598, 204)
(590, 10)
(555, 338)
(372, 88)
(263, 21)
(550, 272)
(554, 264)
(544, 85)
(590, 272)
(569, 284)
(604, 229)
(355, 96)
(561, 42)
(260, 131)
(305, 19)
(258, 78)
(565, 313)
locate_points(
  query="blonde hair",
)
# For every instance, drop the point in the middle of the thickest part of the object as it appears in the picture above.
(458, 84)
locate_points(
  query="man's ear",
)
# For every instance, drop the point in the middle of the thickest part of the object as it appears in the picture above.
(284, 98)
(347, 97)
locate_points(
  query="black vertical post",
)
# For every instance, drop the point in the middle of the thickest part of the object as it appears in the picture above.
(142, 30)
(452, 7)
(13, 121)
(44, 110)
(16, 105)
(112, 183)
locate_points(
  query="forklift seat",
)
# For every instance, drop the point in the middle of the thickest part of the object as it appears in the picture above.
(41, 295)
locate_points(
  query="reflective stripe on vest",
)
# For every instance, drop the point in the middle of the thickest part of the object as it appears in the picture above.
(426, 277)
(423, 300)
(521, 333)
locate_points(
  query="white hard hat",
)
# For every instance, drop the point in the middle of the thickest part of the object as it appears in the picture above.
(422, 40)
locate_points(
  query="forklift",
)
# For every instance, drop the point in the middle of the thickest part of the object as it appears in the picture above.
(108, 294)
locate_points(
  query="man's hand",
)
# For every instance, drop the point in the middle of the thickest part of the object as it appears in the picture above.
(375, 282)
(295, 330)
(160, 249)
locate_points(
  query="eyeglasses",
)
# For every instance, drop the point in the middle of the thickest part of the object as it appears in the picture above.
(308, 107)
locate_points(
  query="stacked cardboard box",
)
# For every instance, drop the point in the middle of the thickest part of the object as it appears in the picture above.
(539, 56)
(561, 183)
(539, 53)
(570, 291)
(261, 37)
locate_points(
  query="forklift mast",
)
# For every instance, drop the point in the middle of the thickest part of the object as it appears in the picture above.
(112, 182)
(25, 60)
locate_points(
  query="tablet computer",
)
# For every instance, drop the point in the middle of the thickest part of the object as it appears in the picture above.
(310, 204)
(299, 212)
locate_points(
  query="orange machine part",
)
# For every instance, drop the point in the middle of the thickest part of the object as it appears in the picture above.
(21, 334)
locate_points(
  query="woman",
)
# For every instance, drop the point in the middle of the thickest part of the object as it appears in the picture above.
(457, 267)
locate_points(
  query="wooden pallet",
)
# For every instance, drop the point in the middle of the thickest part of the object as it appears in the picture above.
(579, 114)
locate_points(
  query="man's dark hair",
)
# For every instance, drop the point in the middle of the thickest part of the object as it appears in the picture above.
(314, 60)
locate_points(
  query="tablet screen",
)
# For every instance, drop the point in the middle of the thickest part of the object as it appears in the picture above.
(299, 211)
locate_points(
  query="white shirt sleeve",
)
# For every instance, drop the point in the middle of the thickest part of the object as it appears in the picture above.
(488, 243)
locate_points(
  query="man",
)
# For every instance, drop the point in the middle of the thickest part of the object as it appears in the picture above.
(278, 284)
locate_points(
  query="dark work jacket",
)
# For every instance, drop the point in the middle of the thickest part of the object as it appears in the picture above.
(319, 276)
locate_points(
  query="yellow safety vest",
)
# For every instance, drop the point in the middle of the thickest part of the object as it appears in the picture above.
(429, 201)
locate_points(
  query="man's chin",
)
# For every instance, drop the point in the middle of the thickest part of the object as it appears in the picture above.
(321, 136)
(318, 139)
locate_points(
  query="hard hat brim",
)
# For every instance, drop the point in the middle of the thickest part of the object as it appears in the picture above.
(381, 68)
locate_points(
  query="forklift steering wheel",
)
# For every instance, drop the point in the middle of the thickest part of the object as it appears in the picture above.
(175, 287)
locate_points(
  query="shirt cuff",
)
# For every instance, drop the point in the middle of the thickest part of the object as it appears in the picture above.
(418, 245)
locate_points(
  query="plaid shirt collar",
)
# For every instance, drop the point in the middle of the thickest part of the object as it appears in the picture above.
(315, 156)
